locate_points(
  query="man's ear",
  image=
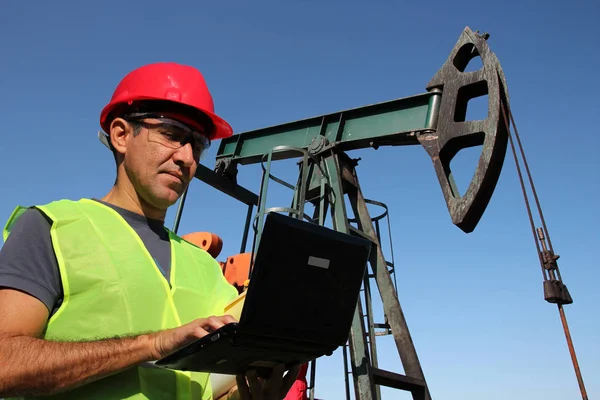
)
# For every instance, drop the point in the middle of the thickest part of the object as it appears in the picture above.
(119, 135)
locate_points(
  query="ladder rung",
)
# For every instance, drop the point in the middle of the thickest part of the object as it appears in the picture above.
(397, 381)
(381, 326)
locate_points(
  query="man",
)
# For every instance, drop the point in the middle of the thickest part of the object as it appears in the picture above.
(93, 291)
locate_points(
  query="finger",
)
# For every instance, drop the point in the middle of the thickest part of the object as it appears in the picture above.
(212, 323)
(243, 387)
(255, 386)
(193, 325)
(289, 380)
(227, 319)
(195, 334)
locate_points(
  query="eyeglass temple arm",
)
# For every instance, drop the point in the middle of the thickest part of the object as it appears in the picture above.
(103, 137)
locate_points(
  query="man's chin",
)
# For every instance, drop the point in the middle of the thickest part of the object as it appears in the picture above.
(170, 195)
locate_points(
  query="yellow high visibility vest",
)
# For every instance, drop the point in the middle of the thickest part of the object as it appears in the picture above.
(112, 287)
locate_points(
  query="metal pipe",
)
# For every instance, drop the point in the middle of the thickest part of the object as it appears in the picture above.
(313, 373)
(346, 372)
(246, 228)
(434, 109)
(563, 318)
(371, 326)
(179, 210)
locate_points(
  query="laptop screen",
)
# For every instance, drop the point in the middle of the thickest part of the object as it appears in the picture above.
(305, 282)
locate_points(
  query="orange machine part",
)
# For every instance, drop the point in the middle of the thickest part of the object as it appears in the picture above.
(236, 269)
(208, 241)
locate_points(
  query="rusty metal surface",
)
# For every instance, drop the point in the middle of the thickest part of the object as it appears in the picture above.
(402, 382)
(563, 319)
(452, 133)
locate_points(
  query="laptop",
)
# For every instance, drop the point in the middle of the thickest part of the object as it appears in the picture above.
(303, 291)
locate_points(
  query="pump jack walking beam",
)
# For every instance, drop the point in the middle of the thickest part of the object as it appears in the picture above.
(435, 120)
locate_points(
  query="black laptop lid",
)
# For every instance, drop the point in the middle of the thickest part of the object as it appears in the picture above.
(305, 282)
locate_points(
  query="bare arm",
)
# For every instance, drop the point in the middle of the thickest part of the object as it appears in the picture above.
(33, 366)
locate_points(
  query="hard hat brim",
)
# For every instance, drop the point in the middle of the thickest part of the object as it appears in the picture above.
(221, 129)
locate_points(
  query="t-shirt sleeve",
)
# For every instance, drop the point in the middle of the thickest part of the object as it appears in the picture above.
(28, 262)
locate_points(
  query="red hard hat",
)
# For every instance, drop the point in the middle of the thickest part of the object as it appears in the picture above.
(171, 82)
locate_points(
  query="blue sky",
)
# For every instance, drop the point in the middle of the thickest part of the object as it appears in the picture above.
(474, 303)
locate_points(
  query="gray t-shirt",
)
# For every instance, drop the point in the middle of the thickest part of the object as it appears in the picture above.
(28, 262)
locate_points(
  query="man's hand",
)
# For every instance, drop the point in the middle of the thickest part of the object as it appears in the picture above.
(250, 387)
(166, 342)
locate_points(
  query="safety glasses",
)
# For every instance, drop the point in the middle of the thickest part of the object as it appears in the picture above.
(172, 134)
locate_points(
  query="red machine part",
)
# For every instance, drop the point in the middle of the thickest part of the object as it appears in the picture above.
(208, 241)
(298, 391)
(236, 270)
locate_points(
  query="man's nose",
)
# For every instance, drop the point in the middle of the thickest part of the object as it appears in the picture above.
(184, 155)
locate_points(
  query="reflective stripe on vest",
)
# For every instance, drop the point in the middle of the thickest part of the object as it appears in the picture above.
(112, 287)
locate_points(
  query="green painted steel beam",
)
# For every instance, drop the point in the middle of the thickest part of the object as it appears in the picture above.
(390, 123)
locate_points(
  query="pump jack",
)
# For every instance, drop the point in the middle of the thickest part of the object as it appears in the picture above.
(434, 120)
